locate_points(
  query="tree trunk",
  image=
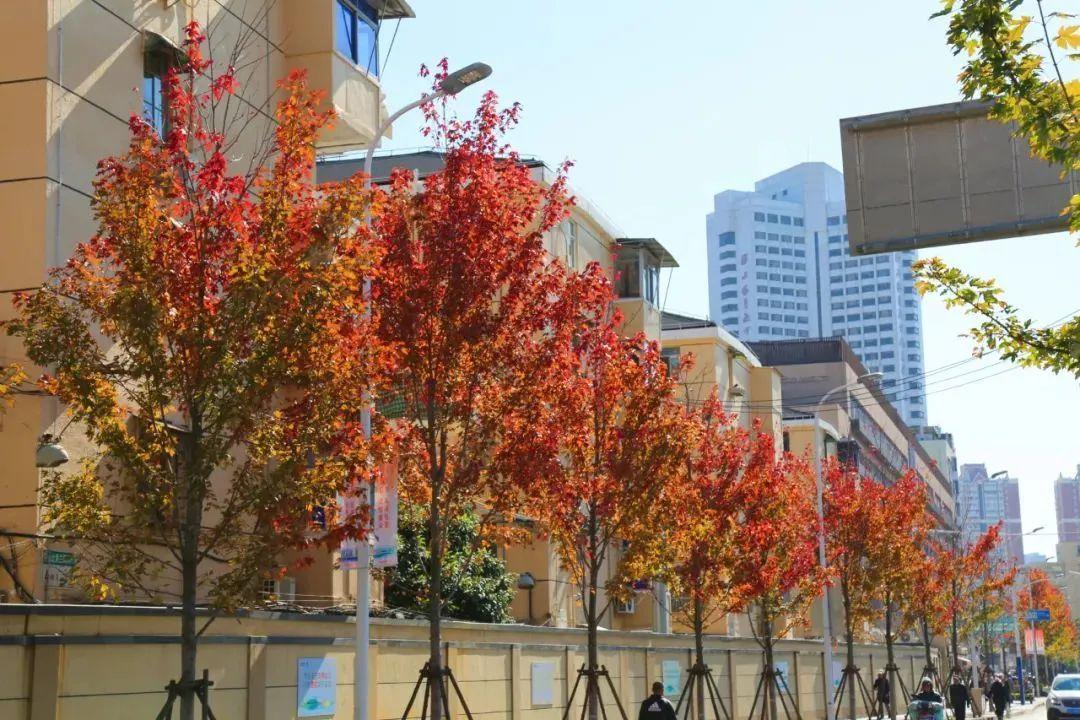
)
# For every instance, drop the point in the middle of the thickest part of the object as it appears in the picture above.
(188, 637)
(926, 647)
(592, 688)
(849, 640)
(699, 658)
(435, 666)
(890, 674)
(770, 665)
(191, 487)
(954, 647)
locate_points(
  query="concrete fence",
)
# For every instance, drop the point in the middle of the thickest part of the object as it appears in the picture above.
(84, 662)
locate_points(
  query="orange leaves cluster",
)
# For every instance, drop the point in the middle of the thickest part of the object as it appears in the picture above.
(875, 535)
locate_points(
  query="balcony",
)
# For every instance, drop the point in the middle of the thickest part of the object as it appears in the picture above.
(336, 42)
(638, 262)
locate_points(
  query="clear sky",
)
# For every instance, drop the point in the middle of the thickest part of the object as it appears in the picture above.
(661, 105)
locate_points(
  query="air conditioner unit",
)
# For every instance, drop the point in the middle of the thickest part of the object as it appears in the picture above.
(626, 607)
(283, 590)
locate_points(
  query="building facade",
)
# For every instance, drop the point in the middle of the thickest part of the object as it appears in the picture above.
(779, 268)
(940, 446)
(821, 380)
(1067, 503)
(983, 500)
(72, 74)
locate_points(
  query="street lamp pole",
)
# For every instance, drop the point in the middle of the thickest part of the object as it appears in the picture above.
(826, 611)
(452, 84)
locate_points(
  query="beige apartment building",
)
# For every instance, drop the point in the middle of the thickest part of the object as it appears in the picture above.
(72, 73)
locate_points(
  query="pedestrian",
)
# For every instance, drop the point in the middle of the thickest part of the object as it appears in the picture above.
(1000, 697)
(959, 696)
(881, 693)
(656, 706)
(926, 692)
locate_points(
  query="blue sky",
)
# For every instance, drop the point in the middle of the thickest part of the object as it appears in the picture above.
(662, 105)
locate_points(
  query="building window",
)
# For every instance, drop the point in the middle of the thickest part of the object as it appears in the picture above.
(773, 218)
(727, 268)
(570, 244)
(729, 308)
(835, 252)
(158, 58)
(785, 219)
(727, 255)
(798, 222)
(727, 238)
(759, 235)
(833, 220)
(356, 34)
(729, 321)
(729, 295)
(725, 281)
(759, 216)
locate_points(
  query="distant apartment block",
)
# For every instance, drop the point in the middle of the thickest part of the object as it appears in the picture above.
(940, 446)
(1067, 500)
(779, 268)
(983, 501)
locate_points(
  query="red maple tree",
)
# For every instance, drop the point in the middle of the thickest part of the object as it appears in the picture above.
(621, 439)
(971, 583)
(480, 319)
(905, 523)
(721, 479)
(778, 565)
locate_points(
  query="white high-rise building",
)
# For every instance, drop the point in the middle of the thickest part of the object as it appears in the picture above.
(779, 267)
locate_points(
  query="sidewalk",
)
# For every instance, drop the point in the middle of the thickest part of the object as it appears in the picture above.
(1028, 710)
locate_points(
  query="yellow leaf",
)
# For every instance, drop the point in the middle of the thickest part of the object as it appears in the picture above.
(1017, 28)
(1068, 37)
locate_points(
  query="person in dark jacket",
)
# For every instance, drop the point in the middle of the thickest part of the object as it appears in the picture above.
(926, 692)
(881, 693)
(959, 696)
(1000, 696)
(656, 706)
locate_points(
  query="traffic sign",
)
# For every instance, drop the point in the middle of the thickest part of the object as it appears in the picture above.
(59, 557)
(1038, 615)
(1002, 625)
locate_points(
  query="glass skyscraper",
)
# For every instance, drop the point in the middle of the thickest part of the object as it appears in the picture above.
(779, 268)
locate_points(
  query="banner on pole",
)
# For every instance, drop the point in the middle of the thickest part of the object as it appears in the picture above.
(1034, 641)
(384, 511)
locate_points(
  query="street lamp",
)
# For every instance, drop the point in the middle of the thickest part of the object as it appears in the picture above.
(452, 84)
(826, 622)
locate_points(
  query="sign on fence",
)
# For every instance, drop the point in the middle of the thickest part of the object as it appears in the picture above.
(316, 687)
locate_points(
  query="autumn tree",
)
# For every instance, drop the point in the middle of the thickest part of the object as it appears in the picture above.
(854, 530)
(1059, 632)
(905, 523)
(779, 555)
(1022, 55)
(621, 439)
(481, 319)
(695, 551)
(971, 583)
(210, 339)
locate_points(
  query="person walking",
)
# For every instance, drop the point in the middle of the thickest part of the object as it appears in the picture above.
(1000, 697)
(959, 696)
(656, 706)
(881, 693)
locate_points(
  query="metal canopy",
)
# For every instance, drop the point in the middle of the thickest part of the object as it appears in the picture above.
(653, 246)
(943, 175)
(392, 9)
